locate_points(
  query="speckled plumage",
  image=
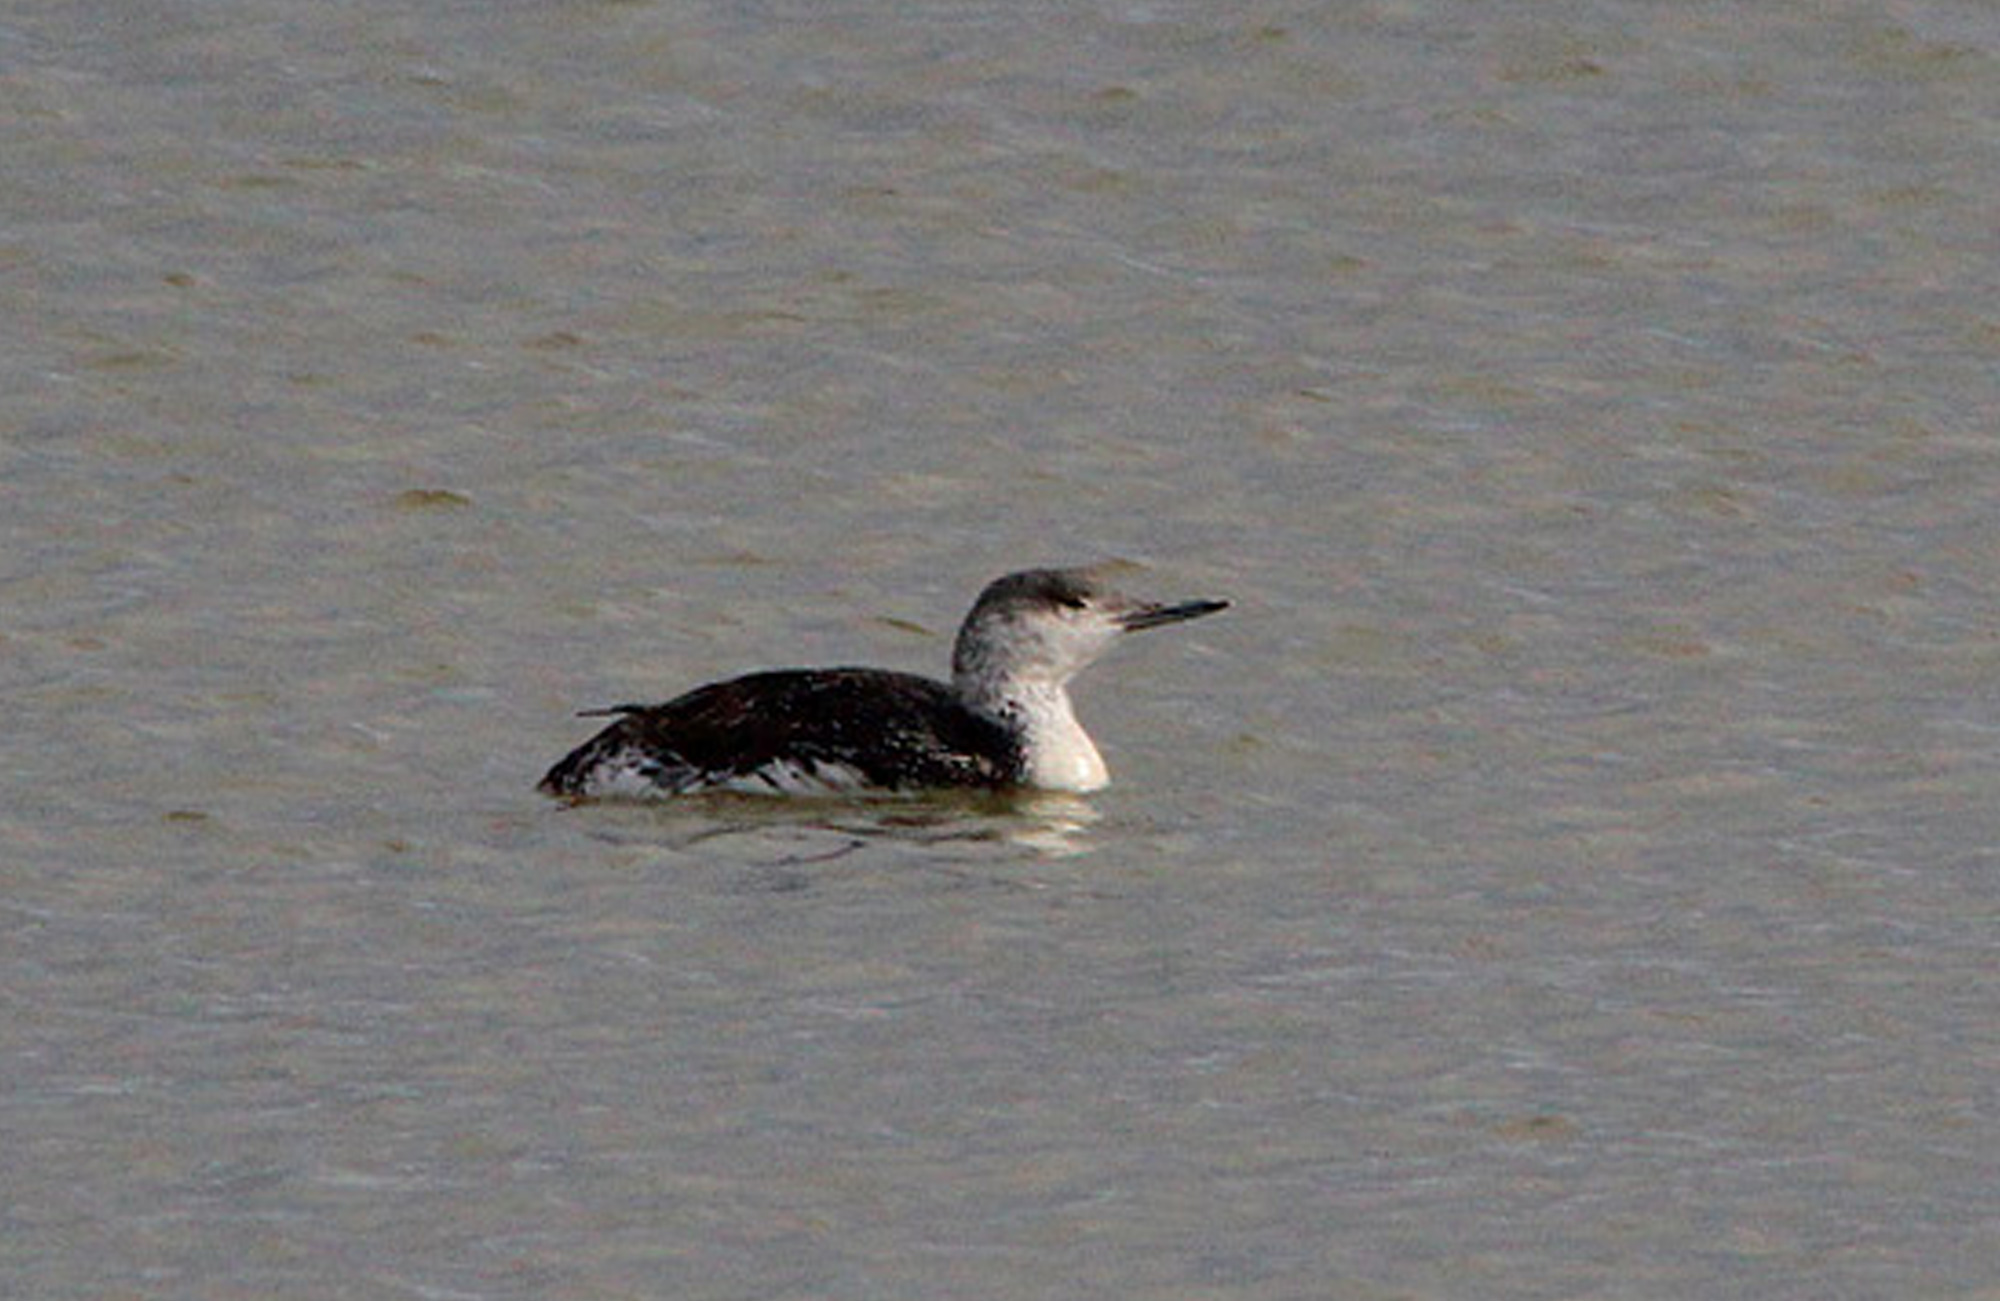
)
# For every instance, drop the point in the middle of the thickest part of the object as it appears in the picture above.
(888, 730)
(1005, 718)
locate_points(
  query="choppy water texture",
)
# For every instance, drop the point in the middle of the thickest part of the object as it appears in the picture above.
(1569, 871)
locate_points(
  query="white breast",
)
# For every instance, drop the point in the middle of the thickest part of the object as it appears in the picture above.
(1058, 755)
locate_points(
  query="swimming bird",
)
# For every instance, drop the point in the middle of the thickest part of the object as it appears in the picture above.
(1004, 719)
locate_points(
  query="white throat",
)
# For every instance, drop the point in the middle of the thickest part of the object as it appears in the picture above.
(1056, 753)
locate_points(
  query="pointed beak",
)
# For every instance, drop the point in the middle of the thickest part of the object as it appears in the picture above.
(1153, 616)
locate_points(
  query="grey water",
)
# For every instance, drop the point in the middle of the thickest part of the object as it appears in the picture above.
(1571, 869)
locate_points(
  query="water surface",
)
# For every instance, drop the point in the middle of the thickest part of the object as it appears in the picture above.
(1568, 871)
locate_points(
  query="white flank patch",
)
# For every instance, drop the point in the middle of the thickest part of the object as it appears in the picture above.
(626, 774)
(798, 777)
(632, 773)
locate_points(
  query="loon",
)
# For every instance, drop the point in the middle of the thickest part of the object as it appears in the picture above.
(1003, 720)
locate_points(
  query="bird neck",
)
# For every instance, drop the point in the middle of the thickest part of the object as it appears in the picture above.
(1056, 753)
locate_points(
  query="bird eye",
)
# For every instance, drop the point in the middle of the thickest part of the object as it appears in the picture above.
(1074, 600)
